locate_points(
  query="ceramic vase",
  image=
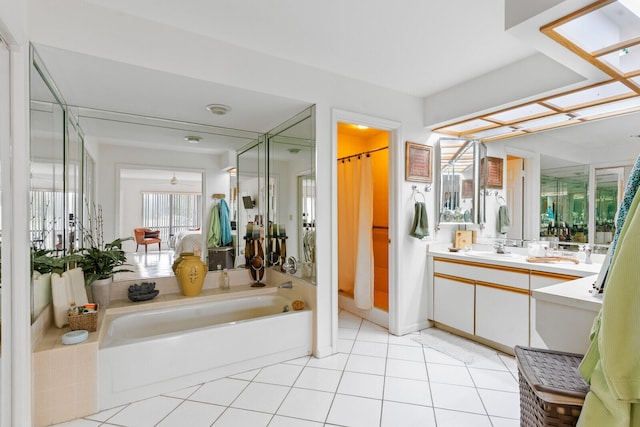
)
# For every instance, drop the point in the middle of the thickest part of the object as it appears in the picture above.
(101, 292)
(190, 274)
(178, 260)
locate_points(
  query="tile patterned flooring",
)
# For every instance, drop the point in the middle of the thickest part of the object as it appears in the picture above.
(376, 380)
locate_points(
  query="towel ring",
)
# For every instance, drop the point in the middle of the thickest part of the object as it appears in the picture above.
(418, 192)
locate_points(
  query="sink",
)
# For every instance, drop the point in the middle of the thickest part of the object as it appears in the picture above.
(487, 254)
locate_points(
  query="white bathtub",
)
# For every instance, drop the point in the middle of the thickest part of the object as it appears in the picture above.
(145, 353)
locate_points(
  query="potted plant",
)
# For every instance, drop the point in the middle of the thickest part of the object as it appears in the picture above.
(100, 261)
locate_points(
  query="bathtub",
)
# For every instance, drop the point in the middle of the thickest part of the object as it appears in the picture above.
(146, 353)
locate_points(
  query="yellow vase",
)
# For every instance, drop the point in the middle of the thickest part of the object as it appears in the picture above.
(190, 273)
(178, 260)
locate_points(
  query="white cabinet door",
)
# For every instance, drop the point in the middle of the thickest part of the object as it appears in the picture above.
(502, 316)
(454, 303)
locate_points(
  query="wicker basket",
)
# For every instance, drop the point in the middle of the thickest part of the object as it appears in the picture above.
(551, 389)
(87, 321)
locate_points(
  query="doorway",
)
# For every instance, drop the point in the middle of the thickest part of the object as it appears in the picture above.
(515, 196)
(363, 221)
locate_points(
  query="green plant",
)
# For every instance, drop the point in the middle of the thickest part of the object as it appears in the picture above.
(43, 262)
(103, 262)
(97, 259)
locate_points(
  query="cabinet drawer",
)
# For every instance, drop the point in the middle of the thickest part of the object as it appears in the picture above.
(455, 303)
(506, 276)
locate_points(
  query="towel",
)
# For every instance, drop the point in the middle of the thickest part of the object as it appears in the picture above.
(420, 227)
(215, 230)
(504, 222)
(225, 224)
(610, 364)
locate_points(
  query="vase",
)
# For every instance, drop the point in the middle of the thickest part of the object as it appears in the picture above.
(101, 291)
(178, 260)
(190, 274)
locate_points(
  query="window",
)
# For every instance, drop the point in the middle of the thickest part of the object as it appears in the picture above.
(171, 212)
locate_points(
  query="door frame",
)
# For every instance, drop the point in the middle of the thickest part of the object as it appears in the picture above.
(395, 148)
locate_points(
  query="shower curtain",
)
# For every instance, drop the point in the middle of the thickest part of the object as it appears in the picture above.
(355, 237)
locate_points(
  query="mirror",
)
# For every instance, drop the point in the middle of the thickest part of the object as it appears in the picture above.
(291, 171)
(564, 207)
(276, 198)
(460, 183)
(608, 195)
(48, 202)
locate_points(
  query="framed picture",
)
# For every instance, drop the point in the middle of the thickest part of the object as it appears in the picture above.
(494, 172)
(418, 163)
(467, 188)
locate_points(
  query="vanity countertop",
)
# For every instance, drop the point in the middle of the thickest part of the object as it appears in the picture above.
(574, 293)
(518, 260)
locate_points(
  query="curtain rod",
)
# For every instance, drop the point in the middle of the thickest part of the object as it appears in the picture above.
(364, 152)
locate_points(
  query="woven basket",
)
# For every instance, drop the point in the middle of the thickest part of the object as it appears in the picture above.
(86, 321)
(551, 389)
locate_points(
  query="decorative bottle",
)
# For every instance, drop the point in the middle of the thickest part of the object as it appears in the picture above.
(223, 279)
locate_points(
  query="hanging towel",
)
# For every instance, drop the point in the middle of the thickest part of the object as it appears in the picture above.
(504, 222)
(420, 227)
(225, 224)
(611, 363)
(215, 230)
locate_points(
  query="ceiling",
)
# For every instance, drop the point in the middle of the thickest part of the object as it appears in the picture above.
(378, 42)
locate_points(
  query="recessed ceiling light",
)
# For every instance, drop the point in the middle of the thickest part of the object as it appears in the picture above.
(192, 139)
(218, 109)
(362, 127)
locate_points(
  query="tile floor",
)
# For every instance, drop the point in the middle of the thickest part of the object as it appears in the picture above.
(376, 380)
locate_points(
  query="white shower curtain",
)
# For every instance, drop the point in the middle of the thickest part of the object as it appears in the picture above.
(355, 237)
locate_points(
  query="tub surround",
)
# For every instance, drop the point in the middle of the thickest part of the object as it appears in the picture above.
(66, 376)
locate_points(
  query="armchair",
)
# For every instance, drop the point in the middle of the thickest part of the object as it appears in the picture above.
(146, 236)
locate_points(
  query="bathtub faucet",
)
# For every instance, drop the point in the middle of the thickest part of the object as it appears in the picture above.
(288, 285)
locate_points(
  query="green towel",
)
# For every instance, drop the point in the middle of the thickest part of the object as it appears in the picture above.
(215, 228)
(420, 227)
(504, 222)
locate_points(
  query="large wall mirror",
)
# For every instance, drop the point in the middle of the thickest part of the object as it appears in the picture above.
(276, 199)
(56, 161)
(90, 123)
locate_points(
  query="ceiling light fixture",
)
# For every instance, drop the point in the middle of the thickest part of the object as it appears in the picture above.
(362, 127)
(293, 150)
(192, 139)
(174, 180)
(218, 109)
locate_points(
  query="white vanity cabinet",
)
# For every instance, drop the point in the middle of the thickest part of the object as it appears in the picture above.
(490, 302)
(539, 280)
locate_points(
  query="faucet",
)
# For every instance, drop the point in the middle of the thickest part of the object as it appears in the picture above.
(287, 285)
(587, 252)
(499, 247)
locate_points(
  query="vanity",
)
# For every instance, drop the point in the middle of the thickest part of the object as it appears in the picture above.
(503, 300)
